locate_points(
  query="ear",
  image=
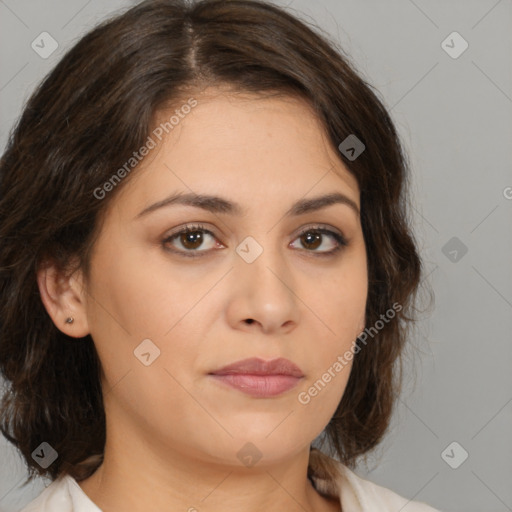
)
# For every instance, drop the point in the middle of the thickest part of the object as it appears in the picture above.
(63, 297)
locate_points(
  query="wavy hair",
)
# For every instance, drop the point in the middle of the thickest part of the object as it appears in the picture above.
(88, 116)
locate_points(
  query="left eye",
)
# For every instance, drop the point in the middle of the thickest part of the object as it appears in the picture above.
(313, 237)
(192, 237)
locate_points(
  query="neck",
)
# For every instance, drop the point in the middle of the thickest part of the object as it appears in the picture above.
(139, 479)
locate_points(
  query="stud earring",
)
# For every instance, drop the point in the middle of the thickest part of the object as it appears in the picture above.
(70, 320)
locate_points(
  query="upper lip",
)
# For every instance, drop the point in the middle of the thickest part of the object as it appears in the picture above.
(256, 366)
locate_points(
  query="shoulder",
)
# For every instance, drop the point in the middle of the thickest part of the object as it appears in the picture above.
(62, 495)
(55, 497)
(375, 497)
(355, 493)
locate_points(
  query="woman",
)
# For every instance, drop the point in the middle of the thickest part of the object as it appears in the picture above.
(206, 263)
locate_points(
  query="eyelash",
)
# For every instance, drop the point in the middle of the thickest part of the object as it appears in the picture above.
(340, 239)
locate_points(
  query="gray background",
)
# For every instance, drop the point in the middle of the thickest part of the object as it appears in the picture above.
(454, 115)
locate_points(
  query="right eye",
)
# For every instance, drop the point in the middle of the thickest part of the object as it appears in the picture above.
(190, 238)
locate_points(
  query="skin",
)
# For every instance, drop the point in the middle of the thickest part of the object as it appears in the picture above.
(172, 432)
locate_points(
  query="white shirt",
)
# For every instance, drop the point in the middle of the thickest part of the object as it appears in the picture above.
(330, 477)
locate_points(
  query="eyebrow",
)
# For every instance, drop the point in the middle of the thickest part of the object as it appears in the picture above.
(216, 204)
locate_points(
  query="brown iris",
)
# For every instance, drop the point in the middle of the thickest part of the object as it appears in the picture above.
(312, 239)
(191, 239)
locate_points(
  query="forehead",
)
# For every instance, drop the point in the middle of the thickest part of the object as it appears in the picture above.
(246, 146)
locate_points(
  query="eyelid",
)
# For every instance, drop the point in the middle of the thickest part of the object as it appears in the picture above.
(320, 227)
(191, 226)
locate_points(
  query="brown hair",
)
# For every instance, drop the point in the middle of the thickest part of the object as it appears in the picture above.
(86, 119)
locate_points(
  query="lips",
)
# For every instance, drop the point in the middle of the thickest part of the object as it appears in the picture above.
(256, 366)
(259, 378)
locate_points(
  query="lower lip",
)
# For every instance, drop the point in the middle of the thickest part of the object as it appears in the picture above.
(259, 385)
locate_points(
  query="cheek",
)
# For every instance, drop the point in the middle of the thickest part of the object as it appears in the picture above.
(340, 303)
(319, 397)
(142, 294)
(135, 299)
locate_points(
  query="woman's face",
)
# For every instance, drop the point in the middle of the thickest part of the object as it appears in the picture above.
(248, 286)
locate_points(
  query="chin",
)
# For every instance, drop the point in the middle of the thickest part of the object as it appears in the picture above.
(261, 446)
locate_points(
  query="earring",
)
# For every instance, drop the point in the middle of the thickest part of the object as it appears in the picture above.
(70, 320)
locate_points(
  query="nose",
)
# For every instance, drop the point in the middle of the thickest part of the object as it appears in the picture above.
(263, 294)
